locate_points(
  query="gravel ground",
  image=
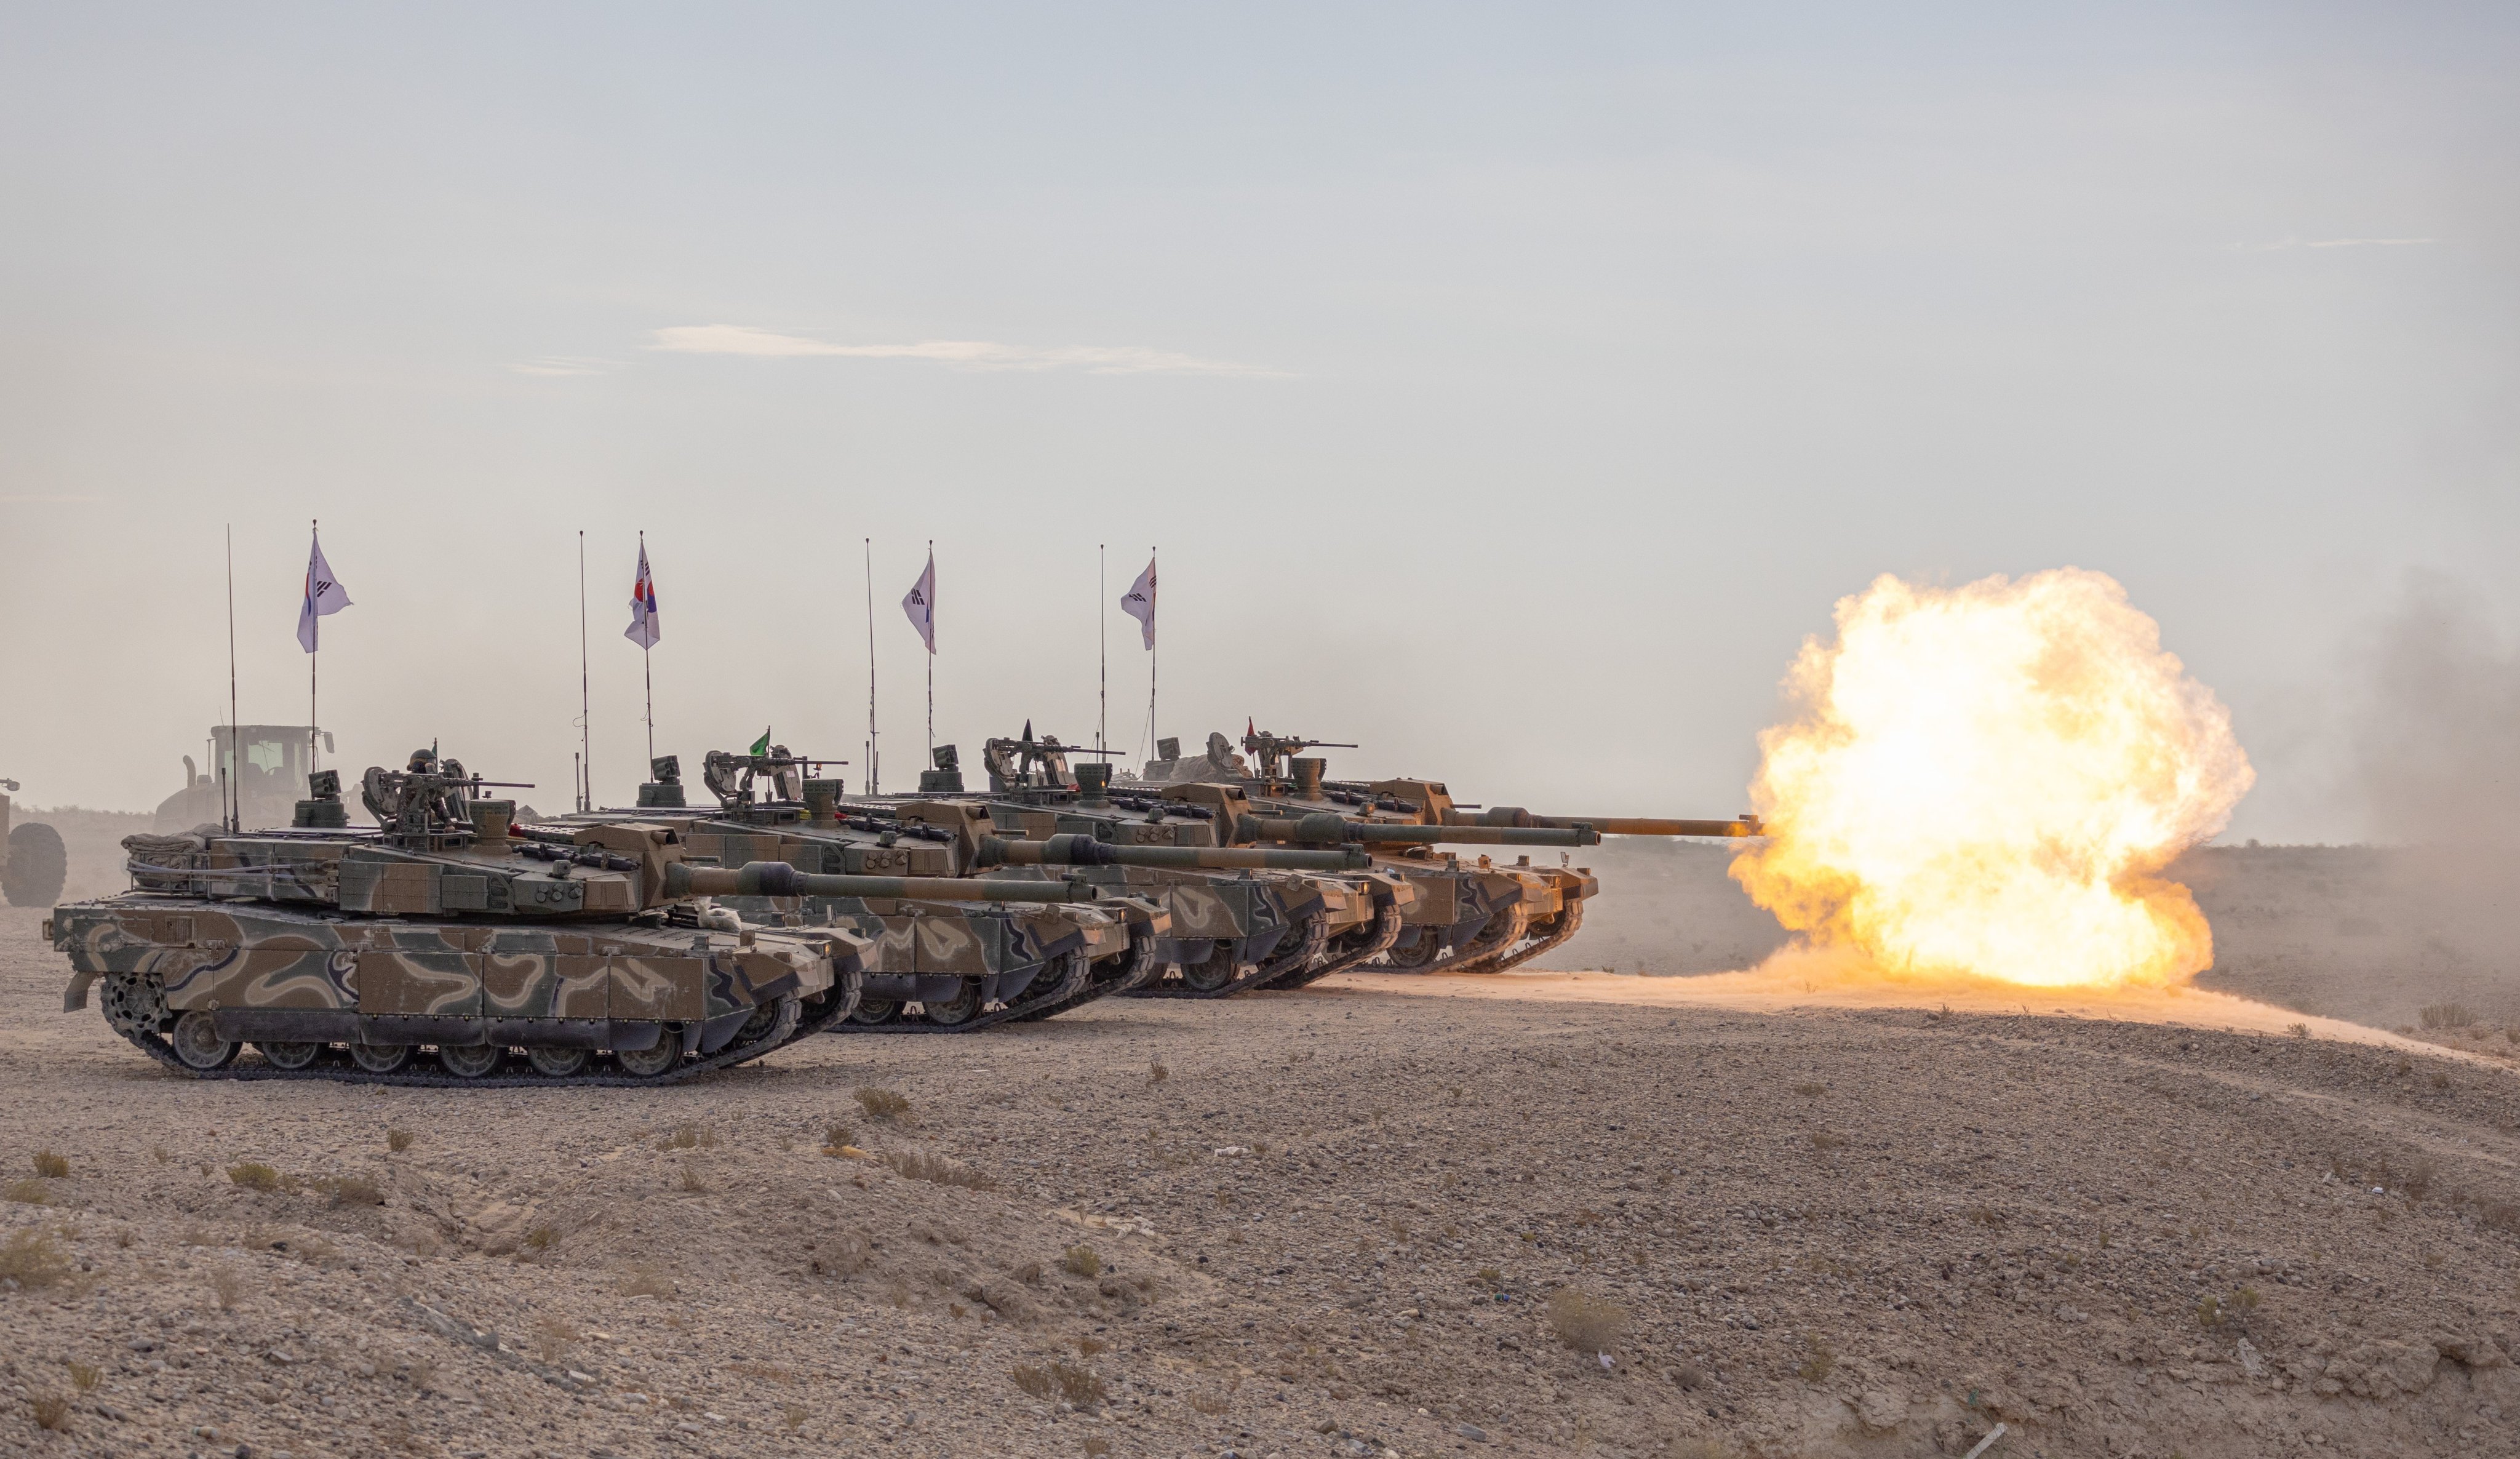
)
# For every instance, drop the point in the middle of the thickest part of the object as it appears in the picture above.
(1334, 1222)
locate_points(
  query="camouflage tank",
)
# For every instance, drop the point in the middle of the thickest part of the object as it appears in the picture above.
(343, 954)
(33, 863)
(1011, 953)
(1242, 917)
(1528, 909)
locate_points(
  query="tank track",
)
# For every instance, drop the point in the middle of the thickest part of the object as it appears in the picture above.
(1387, 922)
(1137, 969)
(1569, 918)
(1075, 987)
(837, 1005)
(1315, 937)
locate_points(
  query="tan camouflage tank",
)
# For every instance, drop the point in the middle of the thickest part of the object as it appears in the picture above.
(446, 946)
(1026, 952)
(1495, 914)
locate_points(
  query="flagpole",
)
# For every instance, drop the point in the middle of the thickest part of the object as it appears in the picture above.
(1103, 592)
(585, 716)
(648, 672)
(228, 812)
(1155, 602)
(315, 632)
(875, 779)
(931, 654)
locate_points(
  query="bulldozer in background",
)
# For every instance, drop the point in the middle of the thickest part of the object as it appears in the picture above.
(268, 782)
(33, 863)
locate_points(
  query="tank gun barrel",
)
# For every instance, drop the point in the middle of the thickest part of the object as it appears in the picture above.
(1327, 829)
(1744, 824)
(779, 878)
(1084, 850)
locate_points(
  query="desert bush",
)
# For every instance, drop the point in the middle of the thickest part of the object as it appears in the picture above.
(2298, 1030)
(688, 1137)
(351, 1190)
(940, 1169)
(397, 1140)
(793, 1415)
(1811, 1091)
(50, 1411)
(1080, 1262)
(542, 1239)
(691, 1181)
(32, 1259)
(882, 1104)
(225, 1287)
(836, 1134)
(841, 1253)
(52, 1166)
(422, 1371)
(1818, 1360)
(2446, 1015)
(553, 1338)
(1096, 1448)
(1034, 1381)
(1584, 1322)
(1827, 1140)
(254, 1175)
(1689, 1377)
(84, 1377)
(29, 1191)
(1028, 1273)
(645, 1279)
(1156, 1074)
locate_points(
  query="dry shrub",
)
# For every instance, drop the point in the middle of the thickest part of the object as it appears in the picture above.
(2448, 1015)
(84, 1377)
(1818, 1360)
(1078, 1386)
(397, 1140)
(158, 1153)
(32, 1259)
(691, 1181)
(882, 1104)
(1080, 1262)
(52, 1166)
(1095, 1448)
(1827, 1140)
(842, 1254)
(351, 1190)
(552, 1339)
(29, 1191)
(1811, 1091)
(542, 1239)
(1089, 1347)
(1156, 1074)
(690, 1137)
(793, 1415)
(940, 1169)
(2298, 1030)
(254, 1175)
(51, 1412)
(1029, 1272)
(836, 1134)
(645, 1279)
(422, 1370)
(225, 1286)
(1689, 1377)
(1584, 1322)
(2500, 1215)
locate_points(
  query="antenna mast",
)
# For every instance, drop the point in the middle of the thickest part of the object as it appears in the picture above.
(231, 812)
(585, 718)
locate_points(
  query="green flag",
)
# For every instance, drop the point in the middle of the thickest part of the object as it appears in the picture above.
(761, 747)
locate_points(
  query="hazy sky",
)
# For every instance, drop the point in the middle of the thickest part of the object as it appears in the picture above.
(1510, 388)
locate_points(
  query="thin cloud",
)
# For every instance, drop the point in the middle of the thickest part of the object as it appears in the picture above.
(2332, 243)
(968, 354)
(550, 365)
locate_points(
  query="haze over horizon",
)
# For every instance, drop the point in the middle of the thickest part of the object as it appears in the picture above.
(1509, 391)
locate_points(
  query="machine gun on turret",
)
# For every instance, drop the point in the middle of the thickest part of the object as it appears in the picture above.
(1029, 764)
(1270, 751)
(428, 806)
(730, 776)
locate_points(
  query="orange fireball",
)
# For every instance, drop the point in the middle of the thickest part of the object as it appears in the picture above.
(1989, 781)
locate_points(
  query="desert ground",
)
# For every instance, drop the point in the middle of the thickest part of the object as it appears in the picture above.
(1535, 1214)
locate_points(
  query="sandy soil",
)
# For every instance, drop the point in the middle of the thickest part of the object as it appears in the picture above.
(1328, 1223)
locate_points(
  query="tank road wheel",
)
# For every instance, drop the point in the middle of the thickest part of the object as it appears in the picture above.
(471, 1061)
(1213, 973)
(198, 1042)
(1416, 950)
(873, 1011)
(655, 1062)
(290, 1056)
(776, 1021)
(381, 1058)
(558, 1063)
(957, 1011)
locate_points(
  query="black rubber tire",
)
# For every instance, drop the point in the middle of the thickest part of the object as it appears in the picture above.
(662, 1059)
(197, 1044)
(1213, 973)
(965, 1002)
(471, 1061)
(558, 1063)
(871, 1011)
(381, 1058)
(36, 867)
